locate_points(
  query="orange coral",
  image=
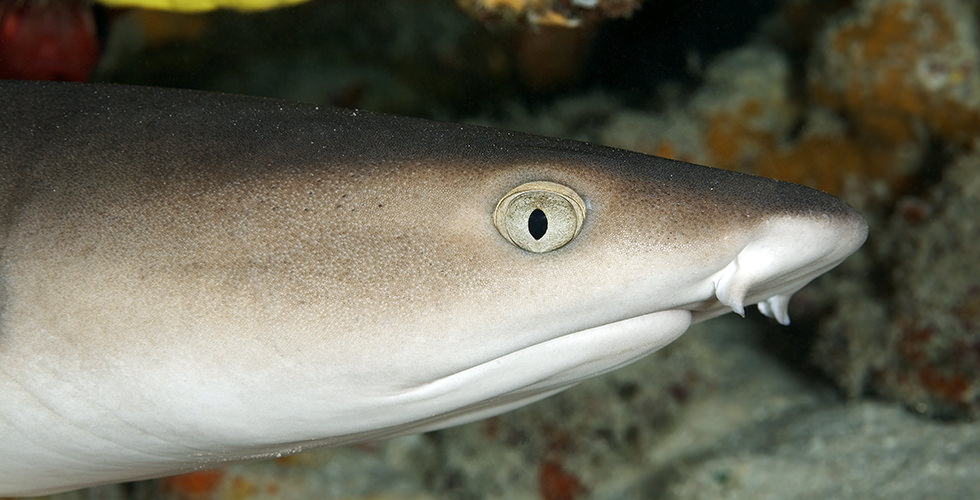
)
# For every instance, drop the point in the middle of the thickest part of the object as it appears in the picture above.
(198, 485)
(730, 136)
(241, 489)
(821, 160)
(896, 67)
(888, 26)
(558, 484)
(667, 149)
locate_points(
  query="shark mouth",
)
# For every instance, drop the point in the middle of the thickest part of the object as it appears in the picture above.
(540, 370)
(789, 253)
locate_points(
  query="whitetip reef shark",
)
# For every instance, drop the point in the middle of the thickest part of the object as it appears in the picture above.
(190, 279)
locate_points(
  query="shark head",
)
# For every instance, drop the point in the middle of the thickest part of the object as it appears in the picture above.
(190, 279)
(650, 247)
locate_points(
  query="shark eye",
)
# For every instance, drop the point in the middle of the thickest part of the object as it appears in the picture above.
(540, 216)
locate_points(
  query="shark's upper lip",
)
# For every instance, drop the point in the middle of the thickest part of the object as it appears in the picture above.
(788, 253)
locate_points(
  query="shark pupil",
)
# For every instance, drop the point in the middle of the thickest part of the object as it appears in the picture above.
(537, 224)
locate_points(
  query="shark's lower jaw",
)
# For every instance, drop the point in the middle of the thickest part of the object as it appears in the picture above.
(542, 369)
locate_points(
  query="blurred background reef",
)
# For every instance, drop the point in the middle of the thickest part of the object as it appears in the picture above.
(873, 392)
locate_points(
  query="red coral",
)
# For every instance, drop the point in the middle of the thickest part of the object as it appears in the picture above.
(558, 484)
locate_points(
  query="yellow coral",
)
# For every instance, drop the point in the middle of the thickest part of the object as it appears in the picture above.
(201, 5)
(563, 13)
(518, 5)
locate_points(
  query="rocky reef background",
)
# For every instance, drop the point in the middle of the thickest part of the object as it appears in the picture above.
(873, 392)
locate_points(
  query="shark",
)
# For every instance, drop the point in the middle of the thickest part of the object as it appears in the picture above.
(190, 279)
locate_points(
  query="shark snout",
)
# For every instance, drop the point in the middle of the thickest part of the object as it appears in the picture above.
(785, 254)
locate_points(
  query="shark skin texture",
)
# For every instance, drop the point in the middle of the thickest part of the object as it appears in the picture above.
(191, 279)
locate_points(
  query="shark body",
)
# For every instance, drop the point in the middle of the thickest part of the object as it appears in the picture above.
(188, 279)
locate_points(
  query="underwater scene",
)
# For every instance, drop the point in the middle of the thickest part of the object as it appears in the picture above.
(872, 391)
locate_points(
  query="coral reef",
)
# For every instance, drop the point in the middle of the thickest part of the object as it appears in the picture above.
(859, 452)
(901, 72)
(921, 343)
(899, 68)
(745, 117)
(202, 5)
(548, 12)
(904, 77)
(740, 112)
(884, 79)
